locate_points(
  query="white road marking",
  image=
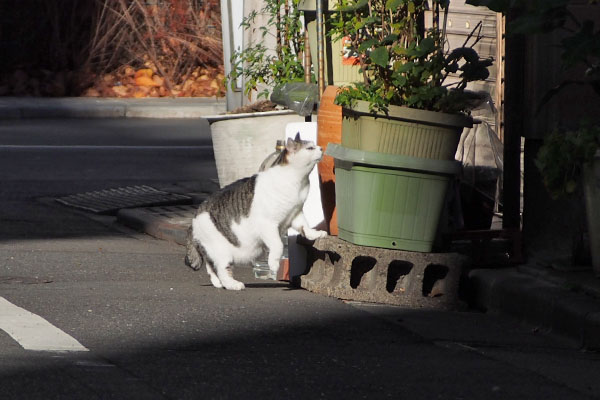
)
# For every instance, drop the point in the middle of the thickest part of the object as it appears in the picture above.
(33, 332)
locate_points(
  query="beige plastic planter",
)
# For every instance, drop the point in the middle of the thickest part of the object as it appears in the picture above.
(242, 141)
(404, 131)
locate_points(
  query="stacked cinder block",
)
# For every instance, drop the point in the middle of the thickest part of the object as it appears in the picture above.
(341, 269)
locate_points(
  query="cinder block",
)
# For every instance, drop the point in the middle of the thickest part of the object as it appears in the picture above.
(424, 280)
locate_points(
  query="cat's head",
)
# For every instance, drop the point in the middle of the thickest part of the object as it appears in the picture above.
(301, 152)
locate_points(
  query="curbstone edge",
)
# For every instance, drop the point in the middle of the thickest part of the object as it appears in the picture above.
(537, 302)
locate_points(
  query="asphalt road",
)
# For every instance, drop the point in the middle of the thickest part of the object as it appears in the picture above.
(79, 155)
(154, 329)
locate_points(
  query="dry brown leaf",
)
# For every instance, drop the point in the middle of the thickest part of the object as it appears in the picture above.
(147, 72)
(163, 92)
(120, 91)
(141, 91)
(109, 78)
(159, 81)
(91, 92)
(144, 80)
(150, 65)
(187, 85)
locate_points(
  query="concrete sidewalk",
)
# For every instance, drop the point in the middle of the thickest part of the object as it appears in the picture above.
(90, 107)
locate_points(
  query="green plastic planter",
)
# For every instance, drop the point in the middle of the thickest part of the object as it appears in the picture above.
(404, 131)
(389, 201)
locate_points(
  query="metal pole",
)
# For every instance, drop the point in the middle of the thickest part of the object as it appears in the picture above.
(320, 48)
(307, 60)
(226, 32)
(513, 127)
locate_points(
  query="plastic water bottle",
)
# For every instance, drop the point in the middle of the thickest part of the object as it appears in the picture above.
(261, 266)
(261, 269)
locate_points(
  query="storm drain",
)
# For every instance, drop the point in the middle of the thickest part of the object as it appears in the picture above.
(109, 201)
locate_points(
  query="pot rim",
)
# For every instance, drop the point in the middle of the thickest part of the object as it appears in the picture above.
(407, 114)
(427, 165)
(224, 117)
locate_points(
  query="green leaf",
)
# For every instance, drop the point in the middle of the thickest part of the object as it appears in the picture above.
(400, 80)
(467, 53)
(389, 39)
(427, 45)
(411, 7)
(403, 67)
(380, 56)
(452, 67)
(392, 4)
(367, 44)
(570, 186)
(354, 6)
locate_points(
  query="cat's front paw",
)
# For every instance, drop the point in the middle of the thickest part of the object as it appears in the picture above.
(216, 282)
(313, 234)
(234, 285)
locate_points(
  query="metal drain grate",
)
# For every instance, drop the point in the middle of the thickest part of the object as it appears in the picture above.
(109, 201)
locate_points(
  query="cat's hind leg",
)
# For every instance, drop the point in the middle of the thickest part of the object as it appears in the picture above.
(196, 257)
(225, 275)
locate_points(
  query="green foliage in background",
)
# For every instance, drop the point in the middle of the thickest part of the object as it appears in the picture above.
(261, 65)
(562, 158)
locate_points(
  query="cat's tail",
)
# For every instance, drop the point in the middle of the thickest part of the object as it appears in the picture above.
(193, 257)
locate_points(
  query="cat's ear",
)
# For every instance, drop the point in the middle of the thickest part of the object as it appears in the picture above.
(290, 145)
(297, 139)
(293, 145)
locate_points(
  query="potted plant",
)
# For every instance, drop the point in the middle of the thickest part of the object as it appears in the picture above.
(242, 140)
(402, 122)
(406, 94)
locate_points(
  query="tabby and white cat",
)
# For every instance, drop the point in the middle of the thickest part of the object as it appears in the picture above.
(235, 224)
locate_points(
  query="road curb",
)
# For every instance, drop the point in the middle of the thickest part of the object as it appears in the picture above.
(538, 302)
(85, 107)
(169, 223)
